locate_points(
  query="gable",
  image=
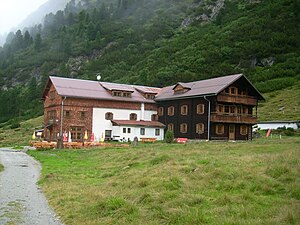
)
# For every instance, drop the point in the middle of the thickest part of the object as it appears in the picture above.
(242, 86)
(204, 88)
(47, 88)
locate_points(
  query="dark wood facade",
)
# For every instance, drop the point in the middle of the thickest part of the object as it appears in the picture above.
(231, 114)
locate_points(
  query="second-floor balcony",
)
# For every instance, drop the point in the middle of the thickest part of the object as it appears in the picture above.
(233, 118)
(237, 99)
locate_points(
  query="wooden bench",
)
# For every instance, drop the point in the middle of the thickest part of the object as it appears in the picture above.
(152, 140)
(181, 140)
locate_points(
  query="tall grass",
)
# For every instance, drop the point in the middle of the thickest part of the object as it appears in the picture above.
(203, 183)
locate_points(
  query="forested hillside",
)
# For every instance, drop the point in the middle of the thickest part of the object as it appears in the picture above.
(153, 42)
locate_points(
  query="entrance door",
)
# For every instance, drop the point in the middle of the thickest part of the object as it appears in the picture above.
(108, 134)
(231, 132)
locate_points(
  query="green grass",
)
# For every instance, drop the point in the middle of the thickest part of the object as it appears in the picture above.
(1, 167)
(21, 135)
(201, 183)
(281, 105)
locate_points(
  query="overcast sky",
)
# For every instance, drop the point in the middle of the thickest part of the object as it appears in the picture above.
(13, 12)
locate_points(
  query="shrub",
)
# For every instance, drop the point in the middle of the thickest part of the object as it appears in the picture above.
(169, 137)
(289, 131)
(14, 124)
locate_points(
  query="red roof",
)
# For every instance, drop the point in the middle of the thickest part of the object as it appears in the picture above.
(140, 123)
(204, 87)
(97, 90)
(101, 90)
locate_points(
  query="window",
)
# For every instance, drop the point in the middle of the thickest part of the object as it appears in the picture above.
(245, 110)
(226, 109)
(220, 108)
(160, 111)
(183, 128)
(116, 93)
(109, 116)
(171, 111)
(51, 115)
(142, 131)
(154, 117)
(232, 109)
(121, 94)
(199, 128)
(171, 127)
(82, 114)
(133, 116)
(124, 130)
(67, 113)
(239, 110)
(243, 130)
(108, 134)
(220, 129)
(128, 130)
(243, 93)
(126, 94)
(76, 133)
(200, 109)
(52, 95)
(157, 132)
(150, 96)
(233, 90)
(184, 110)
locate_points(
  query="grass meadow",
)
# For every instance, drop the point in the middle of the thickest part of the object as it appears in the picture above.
(254, 182)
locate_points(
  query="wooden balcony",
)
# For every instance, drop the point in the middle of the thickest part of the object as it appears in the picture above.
(237, 99)
(233, 118)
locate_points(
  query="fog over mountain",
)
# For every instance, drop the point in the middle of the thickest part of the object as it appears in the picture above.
(37, 16)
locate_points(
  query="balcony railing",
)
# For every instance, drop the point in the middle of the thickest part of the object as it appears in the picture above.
(237, 99)
(233, 118)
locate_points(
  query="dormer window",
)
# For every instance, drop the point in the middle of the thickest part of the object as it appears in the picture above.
(150, 96)
(126, 94)
(181, 88)
(121, 94)
(117, 93)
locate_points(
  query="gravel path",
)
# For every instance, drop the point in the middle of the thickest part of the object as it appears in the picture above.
(21, 200)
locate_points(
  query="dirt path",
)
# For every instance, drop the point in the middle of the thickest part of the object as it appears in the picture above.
(21, 201)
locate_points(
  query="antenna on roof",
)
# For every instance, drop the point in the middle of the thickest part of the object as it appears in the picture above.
(98, 76)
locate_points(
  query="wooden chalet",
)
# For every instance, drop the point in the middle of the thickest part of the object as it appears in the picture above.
(104, 110)
(223, 108)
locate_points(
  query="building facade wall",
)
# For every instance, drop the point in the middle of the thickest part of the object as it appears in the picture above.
(150, 132)
(79, 113)
(101, 124)
(191, 119)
